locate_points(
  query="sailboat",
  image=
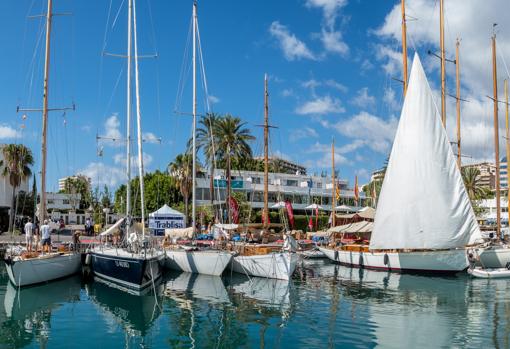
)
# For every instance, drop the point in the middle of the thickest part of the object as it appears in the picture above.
(268, 261)
(424, 218)
(138, 265)
(29, 268)
(191, 259)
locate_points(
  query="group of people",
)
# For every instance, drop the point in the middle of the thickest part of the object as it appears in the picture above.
(33, 233)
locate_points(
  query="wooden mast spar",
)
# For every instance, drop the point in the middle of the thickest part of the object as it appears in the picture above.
(496, 134)
(443, 60)
(265, 213)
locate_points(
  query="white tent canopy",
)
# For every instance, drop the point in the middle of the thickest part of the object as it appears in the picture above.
(278, 205)
(313, 207)
(166, 218)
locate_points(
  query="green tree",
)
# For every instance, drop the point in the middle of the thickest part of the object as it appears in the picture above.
(16, 166)
(106, 200)
(182, 169)
(471, 178)
(233, 143)
(206, 141)
(79, 185)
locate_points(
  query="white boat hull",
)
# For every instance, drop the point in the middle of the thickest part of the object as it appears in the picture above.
(494, 256)
(24, 272)
(448, 261)
(276, 265)
(315, 253)
(496, 273)
(206, 262)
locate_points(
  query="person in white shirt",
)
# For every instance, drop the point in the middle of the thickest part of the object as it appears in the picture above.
(29, 229)
(45, 236)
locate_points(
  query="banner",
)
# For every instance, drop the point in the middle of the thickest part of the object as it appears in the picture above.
(158, 224)
(234, 210)
(317, 217)
(290, 213)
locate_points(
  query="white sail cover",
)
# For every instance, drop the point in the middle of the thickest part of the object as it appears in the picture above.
(423, 202)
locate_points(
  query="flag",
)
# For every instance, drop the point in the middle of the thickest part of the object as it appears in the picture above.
(290, 213)
(337, 192)
(316, 217)
(356, 191)
(310, 224)
(234, 209)
(374, 194)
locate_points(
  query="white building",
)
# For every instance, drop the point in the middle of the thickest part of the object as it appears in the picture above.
(62, 181)
(301, 190)
(489, 207)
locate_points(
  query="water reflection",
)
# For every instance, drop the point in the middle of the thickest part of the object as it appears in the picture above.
(27, 312)
(326, 305)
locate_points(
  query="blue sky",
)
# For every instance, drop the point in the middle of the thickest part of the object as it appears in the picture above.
(330, 63)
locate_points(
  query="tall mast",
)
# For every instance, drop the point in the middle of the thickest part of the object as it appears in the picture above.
(496, 133)
(443, 72)
(507, 147)
(193, 195)
(139, 123)
(404, 45)
(457, 75)
(333, 195)
(128, 118)
(42, 211)
(265, 213)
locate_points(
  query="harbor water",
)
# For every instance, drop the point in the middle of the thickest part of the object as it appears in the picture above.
(324, 306)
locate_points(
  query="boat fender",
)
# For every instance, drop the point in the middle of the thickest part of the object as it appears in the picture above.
(336, 255)
(88, 259)
(360, 260)
(386, 259)
(507, 265)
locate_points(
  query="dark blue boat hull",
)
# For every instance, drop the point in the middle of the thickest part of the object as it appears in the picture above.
(133, 273)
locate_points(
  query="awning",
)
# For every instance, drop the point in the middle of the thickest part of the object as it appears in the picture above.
(358, 227)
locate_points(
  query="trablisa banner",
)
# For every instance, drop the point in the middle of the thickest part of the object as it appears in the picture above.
(160, 223)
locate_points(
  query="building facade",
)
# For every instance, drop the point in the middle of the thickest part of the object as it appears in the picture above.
(62, 181)
(487, 176)
(285, 166)
(503, 174)
(301, 190)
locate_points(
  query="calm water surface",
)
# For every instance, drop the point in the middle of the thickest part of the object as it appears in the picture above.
(324, 306)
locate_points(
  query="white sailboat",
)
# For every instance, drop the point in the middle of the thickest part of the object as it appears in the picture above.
(32, 268)
(139, 264)
(183, 258)
(424, 218)
(268, 261)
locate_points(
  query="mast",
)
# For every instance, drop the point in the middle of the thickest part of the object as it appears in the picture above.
(457, 75)
(128, 120)
(496, 134)
(265, 213)
(443, 72)
(139, 123)
(194, 149)
(333, 196)
(404, 45)
(507, 147)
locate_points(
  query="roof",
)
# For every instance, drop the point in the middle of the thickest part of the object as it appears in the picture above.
(166, 210)
(358, 227)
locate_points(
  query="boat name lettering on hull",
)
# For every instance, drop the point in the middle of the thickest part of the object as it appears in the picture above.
(122, 264)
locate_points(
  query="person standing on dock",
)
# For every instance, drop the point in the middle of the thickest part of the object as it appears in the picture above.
(29, 229)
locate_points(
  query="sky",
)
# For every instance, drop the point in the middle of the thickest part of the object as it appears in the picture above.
(332, 65)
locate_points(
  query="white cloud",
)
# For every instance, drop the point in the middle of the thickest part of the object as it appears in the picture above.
(112, 134)
(292, 47)
(363, 99)
(302, 133)
(287, 92)
(213, 99)
(7, 132)
(390, 99)
(311, 84)
(102, 174)
(120, 159)
(336, 85)
(330, 37)
(369, 130)
(149, 137)
(321, 106)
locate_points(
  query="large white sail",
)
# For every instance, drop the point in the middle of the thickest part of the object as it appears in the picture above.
(423, 202)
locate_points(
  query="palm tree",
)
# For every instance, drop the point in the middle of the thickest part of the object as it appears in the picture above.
(471, 178)
(232, 140)
(182, 169)
(206, 139)
(16, 165)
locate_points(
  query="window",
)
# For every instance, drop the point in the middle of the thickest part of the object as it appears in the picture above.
(319, 185)
(65, 201)
(292, 183)
(256, 180)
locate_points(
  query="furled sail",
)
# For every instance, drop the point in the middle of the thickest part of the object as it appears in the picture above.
(423, 202)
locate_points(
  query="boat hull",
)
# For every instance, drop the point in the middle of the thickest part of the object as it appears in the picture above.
(448, 261)
(494, 256)
(25, 272)
(276, 265)
(496, 273)
(207, 262)
(132, 272)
